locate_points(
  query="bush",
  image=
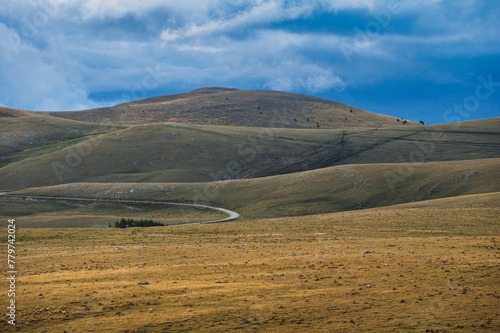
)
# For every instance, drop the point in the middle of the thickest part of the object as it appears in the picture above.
(130, 223)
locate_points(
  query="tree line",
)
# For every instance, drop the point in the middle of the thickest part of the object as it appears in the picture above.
(130, 223)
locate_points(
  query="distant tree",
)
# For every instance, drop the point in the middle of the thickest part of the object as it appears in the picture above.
(397, 119)
(258, 107)
(351, 110)
(317, 125)
(405, 122)
(307, 119)
(422, 122)
(295, 119)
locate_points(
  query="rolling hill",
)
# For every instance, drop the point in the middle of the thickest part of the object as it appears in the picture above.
(28, 135)
(326, 190)
(12, 113)
(255, 149)
(167, 152)
(233, 107)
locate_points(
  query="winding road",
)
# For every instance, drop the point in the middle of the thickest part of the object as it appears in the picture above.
(232, 215)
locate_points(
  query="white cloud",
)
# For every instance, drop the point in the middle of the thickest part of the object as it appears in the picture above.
(293, 75)
(259, 13)
(33, 80)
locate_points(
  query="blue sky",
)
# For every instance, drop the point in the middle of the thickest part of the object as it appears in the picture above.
(431, 60)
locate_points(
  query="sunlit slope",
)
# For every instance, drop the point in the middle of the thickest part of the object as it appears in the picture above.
(12, 113)
(29, 136)
(224, 106)
(477, 201)
(192, 153)
(326, 190)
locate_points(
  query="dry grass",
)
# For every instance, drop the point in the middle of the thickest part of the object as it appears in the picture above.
(427, 269)
(60, 213)
(44, 151)
(325, 190)
(258, 108)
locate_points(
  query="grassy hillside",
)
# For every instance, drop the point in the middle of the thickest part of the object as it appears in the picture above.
(223, 106)
(449, 142)
(12, 113)
(326, 190)
(48, 213)
(190, 153)
(29, 136)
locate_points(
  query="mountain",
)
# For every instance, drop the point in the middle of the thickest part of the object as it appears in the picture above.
(233, 107)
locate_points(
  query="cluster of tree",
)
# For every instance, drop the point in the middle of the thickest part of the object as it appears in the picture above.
(129, 223)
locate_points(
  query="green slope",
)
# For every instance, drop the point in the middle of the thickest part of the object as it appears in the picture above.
(193, 153)
(325, 190)
(29, 136)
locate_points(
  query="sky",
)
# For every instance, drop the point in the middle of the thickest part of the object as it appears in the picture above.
(432, 60)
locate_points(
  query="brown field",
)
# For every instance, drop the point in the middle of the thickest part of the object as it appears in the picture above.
(430, 267)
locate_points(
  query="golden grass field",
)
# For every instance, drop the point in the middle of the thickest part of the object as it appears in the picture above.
(431, 266)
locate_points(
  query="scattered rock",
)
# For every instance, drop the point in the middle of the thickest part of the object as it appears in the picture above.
(143, 282)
